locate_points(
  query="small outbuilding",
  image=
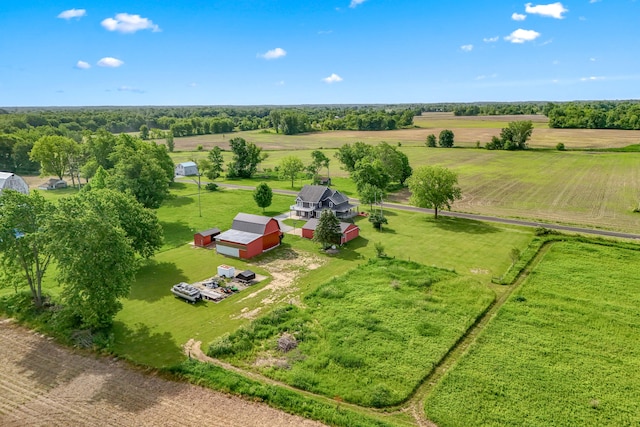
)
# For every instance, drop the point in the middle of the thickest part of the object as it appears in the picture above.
(246, 276)
(226, 271)
(186, 169)
(349, 231)
(53, 184)
(11, 181)
(250, 235)
(205, 238)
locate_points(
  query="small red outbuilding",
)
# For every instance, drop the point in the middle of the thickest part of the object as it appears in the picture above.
(205, 238)
(349, 231)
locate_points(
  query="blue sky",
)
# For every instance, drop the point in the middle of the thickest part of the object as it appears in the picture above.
(284, 52)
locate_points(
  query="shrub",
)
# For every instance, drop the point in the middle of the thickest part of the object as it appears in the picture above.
(200, 147)
(211, 186)
(560, 146)
(379, 247)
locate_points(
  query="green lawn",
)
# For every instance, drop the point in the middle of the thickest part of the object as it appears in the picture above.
(563, 351)
(369, 336)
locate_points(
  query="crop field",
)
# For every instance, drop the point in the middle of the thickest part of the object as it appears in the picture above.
(588, 189)
(467, 130)
(369, 336)
(564, 350)
(42, 383)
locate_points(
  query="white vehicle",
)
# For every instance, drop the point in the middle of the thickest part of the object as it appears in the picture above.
(186, 292)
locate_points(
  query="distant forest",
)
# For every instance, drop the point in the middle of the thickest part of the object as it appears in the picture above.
(20, 128)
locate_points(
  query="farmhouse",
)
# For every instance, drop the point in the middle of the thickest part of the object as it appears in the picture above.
(205, 238)
(313, 199)
(53, 184)
(250, 235)
(12, 181)
(349, 231)
(186, 169)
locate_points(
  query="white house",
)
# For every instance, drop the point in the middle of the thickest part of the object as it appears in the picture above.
(12, 181)
(186, 169)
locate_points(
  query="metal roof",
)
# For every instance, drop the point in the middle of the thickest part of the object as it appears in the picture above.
(250, 223)
(312, 224)
(185, 164)
(209, 232)
(238, 236)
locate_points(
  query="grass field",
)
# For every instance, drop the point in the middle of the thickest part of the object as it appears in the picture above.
(562, 351)
(369, 336)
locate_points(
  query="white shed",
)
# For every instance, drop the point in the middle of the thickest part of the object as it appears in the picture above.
(186, 169)
(12, 181)
(226, 271)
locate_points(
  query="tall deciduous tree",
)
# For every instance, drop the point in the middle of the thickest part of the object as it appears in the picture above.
(371, 172)
(246, 158)
(431, 140)
(434, 187)
(318, 161)
(96, 264)
(54, 154)
(25, 239)
(516, 135)
(216, 163)
(290, 166)
(263, 195)
(349, 155)
(328, 231)
(445, 138)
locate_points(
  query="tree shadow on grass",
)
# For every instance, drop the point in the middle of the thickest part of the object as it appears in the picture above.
(179, 201)
(462, 225)
(350, 251)
(176, 233)
(154, 280)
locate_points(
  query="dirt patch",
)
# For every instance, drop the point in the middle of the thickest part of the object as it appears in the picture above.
(285, 267)
(44, 384)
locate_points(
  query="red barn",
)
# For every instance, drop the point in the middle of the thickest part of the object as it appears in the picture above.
(205, 238)
(349, 231)
(250, 235)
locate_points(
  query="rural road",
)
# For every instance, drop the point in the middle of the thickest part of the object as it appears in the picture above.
(522, 223)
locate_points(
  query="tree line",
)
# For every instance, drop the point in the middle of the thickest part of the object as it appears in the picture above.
(594, 115)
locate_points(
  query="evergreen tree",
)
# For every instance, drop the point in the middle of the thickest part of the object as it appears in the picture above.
(328, 231)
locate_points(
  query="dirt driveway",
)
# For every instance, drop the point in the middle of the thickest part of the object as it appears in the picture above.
(44, 384)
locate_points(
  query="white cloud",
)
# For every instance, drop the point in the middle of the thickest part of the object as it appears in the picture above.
(280, 83)
(81, 65)
(129, 89)
(467, 47)
(593, 1)
(273, 53)
(552, 10)
(521, 36)
(592, 59)
(125, 23)
(72, 13)
(518, 17)
(591, 79)
(333, 78)
(355, 3)
(110, 62)
(490, 39)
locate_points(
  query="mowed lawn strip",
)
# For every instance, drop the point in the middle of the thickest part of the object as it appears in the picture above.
(369, 336)
(563, 351)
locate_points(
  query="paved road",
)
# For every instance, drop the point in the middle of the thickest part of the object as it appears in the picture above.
(570, 229)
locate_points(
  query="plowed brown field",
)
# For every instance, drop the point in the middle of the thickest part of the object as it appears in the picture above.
(43, 384)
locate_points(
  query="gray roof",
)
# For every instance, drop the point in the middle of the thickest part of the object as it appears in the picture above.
(250, 223)
(237, 236)
(209, 232)
(312, 224)
(185, 164)
(312, 193)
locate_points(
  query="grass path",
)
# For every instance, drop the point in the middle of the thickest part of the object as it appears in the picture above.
(416, 403)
